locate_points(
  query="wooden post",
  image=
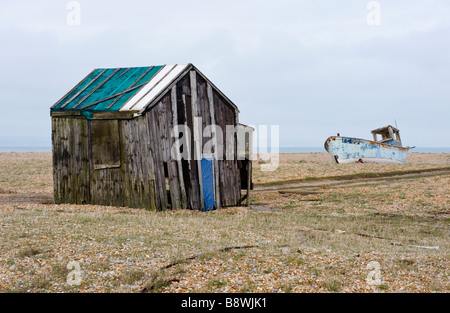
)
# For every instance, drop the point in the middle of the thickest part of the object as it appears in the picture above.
(249, 180)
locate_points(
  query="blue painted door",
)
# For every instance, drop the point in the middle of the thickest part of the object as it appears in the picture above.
(208, 184)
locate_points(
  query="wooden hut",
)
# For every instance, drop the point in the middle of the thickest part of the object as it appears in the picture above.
(117, 141)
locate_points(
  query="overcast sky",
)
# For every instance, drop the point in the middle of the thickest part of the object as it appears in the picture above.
(314, 67)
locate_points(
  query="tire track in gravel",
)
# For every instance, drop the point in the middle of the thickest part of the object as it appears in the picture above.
(31, 197)
(346, 181)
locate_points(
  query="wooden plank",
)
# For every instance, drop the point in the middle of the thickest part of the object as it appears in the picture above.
(59, 147)
(65, 161)
(188, 169)
(189, 166)
(113, 115)
(62, 160)
(215, 162)
(148, 165)
(98, 189)
(56, 159)
(165, 121)
(188, 123)
(154, 121)
(76, 170)
(76, 160)
(115, 183)
(141, 164)
(196, 131)
(203, 108)
(91, 164)
(126, 186)
(128, 158)
(136, 181)
(175, 193)
(122, 191)
(164, 155)
(105, 166)
(85, 160)
(152, 149)
(145, 161)
(249, 180)
(66, 114)
(174, 102)
(159, 118)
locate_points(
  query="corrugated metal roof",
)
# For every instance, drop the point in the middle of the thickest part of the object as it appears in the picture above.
(119, 89)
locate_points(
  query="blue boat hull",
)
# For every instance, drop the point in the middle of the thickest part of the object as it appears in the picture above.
(355, 150)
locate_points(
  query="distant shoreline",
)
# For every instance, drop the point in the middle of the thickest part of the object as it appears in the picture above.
(25, 149)
(281, 150)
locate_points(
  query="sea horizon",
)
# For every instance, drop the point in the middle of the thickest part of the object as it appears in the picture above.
(281, 149)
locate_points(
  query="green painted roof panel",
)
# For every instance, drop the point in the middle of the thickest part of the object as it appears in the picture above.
(95, 83)
(106, 90)
(77, 89)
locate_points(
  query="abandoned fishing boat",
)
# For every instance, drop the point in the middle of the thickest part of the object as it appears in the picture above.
(387, 149)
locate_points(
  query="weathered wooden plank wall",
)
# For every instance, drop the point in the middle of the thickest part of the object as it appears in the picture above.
(189, 167)
(70, 160)
(161, 122)
(224, 114)
(229, 177)
(137, 168)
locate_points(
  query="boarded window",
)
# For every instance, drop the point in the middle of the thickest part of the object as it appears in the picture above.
(105, 144)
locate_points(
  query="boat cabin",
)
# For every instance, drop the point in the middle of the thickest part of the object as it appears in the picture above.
(388, 135)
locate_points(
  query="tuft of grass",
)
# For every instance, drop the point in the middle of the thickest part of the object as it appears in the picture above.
(157, 283)
(40, 282)
(333, 285)
(248, 287)
(28, 252)
(207, 255)
(383, 287)
(238, 255)
(405, 263)
(60, 271)
(23, 234)
(131, 276)
(295, 260)
(287, 288)
(215, 283)
(100, 267)
(10, 263)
